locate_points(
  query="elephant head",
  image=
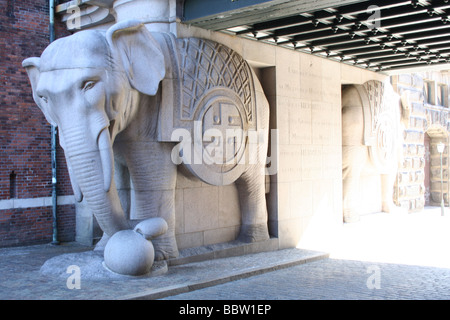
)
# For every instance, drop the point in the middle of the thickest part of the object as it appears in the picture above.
(89, 85)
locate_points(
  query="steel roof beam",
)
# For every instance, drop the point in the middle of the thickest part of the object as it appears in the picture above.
(406, 31)
(400, 50)
(348, 23)
(415, 65)
(391, 53)
(410, 63)
(219, 14)
(321, 15)
(384, 37)
(435, 23)
(301, 27)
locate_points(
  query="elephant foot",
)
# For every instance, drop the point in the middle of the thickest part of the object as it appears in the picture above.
(254, 233)
(165, 247)
(351, 217)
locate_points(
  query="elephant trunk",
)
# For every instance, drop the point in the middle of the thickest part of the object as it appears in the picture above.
(92, 169)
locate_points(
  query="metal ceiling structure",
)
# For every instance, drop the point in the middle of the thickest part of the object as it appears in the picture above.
(379, 35)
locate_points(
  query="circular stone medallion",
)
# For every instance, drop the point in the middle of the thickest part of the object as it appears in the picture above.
(383, 150)
(219, 138)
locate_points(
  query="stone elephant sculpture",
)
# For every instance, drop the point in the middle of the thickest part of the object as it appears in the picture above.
(373, 117)
(123, 98)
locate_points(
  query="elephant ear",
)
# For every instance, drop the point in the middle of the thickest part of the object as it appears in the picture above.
(140, 55)
(32, 65)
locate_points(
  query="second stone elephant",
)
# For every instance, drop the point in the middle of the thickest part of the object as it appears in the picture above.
(372, 115)
(123, 98)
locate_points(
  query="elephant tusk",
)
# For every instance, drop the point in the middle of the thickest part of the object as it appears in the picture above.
(75, 186)
(107, 157)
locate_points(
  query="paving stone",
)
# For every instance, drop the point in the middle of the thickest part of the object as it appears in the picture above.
(394, 258)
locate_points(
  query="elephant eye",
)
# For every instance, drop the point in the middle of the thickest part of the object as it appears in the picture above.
(88, 85)
(44, 98)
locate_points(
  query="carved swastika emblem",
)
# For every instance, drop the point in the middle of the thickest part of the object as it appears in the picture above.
(383, 150)
(220, 138)
(222, 134)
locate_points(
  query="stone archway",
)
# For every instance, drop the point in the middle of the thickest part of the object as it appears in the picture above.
(437, 134)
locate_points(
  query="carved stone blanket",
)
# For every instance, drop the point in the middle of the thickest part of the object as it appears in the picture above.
(381, 110)
(209, 92)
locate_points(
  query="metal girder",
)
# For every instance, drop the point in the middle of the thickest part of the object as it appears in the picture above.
(339, 20)
(400, 49)
(375, 55)
(418, 27)
(423, 32)
(410, 62)
(431, 41)
(429, 36)
(398, 57)
(276, 24)
(414, 66)
(358, 8)
(356, 44)
(390, 34)
(220, 14)
(391, 53)
(401, 29)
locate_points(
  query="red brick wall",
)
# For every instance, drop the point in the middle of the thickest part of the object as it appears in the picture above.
(24, 132)
(34, 225)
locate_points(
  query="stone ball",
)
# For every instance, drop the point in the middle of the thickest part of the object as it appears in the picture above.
(129, 253)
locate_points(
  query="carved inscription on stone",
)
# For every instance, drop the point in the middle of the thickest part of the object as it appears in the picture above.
(312, 162)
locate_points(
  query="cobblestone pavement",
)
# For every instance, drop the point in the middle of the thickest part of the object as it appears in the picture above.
(21, 277)
(333, 279)
(381, 257)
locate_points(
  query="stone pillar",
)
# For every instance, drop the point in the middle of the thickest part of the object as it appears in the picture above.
(158, 15)
(424, 119)
(409, 189)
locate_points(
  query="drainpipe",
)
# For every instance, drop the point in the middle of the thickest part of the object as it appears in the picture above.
(53, 138)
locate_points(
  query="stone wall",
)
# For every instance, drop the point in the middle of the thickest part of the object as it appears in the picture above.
(437, 129)
(305, 199)
(409, 189)
(420, 159)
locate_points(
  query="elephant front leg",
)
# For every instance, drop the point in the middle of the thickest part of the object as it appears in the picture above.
(252, 200)
(153, 177)
(354, 159)
(158, 203)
